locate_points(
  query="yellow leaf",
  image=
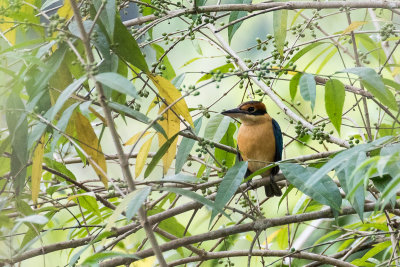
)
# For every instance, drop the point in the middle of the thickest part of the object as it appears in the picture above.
(37, 162)
(152, 105)
(146, 262)
(272, 236)
(98, 115)
(171, 126)
(142, 156)
(90, 144)
(66, 10)
(395, 71)
(289, 72)
(353, 26)
(169, 92)
(134, 138)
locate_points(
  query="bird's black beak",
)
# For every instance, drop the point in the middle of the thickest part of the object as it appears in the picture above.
(232, 112)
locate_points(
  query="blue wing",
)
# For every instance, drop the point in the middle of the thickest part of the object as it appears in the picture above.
(278, 144)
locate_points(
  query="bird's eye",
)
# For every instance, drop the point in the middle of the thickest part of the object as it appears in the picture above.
(250, 109)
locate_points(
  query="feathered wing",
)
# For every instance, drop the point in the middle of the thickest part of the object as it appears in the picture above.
(278, 144)
(273, 189)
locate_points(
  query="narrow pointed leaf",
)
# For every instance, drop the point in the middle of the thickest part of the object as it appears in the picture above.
(294, 84)
(142, 156)
(280, 25)
(234, 15)
(37, 161)
(308, 88)
(185, 147)
(334, 101)
(169, 92)
(117, 82)
(230, 183)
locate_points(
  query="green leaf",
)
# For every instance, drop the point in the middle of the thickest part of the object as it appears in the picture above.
(280, 25)
(326, 59)
(180, 177)
(95, 259)
(391, 83)
(344, 156)
(334, 101)
(197, 47)
(35, 219)
(371, 253)
(185, 147)
(348, 184)
(160, 153)
(293, 84)
(234, 15)
(196, 197)
(325, 191)
(64, 96)
(131, 202)
(136, 201)
(127, 47)
(373, 82)
(107, 16)
(178, 80)
(62, 124)
(217, 127)
(308, 88)
(117, 82)
(227, 139)
(230, 183)
(137, 116)
(221, 69)
(60, 167)
(373, 48)
(169, 72)
(18, 128)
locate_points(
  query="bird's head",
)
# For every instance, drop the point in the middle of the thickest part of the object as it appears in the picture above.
(250, 112)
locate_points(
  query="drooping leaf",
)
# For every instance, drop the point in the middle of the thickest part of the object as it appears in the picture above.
(37, 161)
(171, 125)
(117, 82)
(221, 69)
(293, 84)
(64, 96)
(342, 157)
(107, 16)
(225, 156)
(308, 88)
(334, 101)
(142, 156)
(373, 48)
(169, 72)
(128, 48)
(391, 83)
(230, 183)
(18, 128)
(137, 116)
(96, 258)
(196, 197)
(280, 25)
(34, 231)
(185, 147)
(90, 144)
(134, 200)
(344, 173)
(169, 92)
(325, 191)
(88, 201)
(234, 15)
(373, 82)
(217, 127)
(135, 138)
(160, 153)
(371, 253)
(354, 26)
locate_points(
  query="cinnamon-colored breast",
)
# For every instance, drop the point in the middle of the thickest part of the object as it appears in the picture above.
(256, 142)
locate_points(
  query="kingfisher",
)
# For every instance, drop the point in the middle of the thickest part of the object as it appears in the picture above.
(259, 141)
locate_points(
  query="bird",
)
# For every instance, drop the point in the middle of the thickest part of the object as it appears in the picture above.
(259, 141)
